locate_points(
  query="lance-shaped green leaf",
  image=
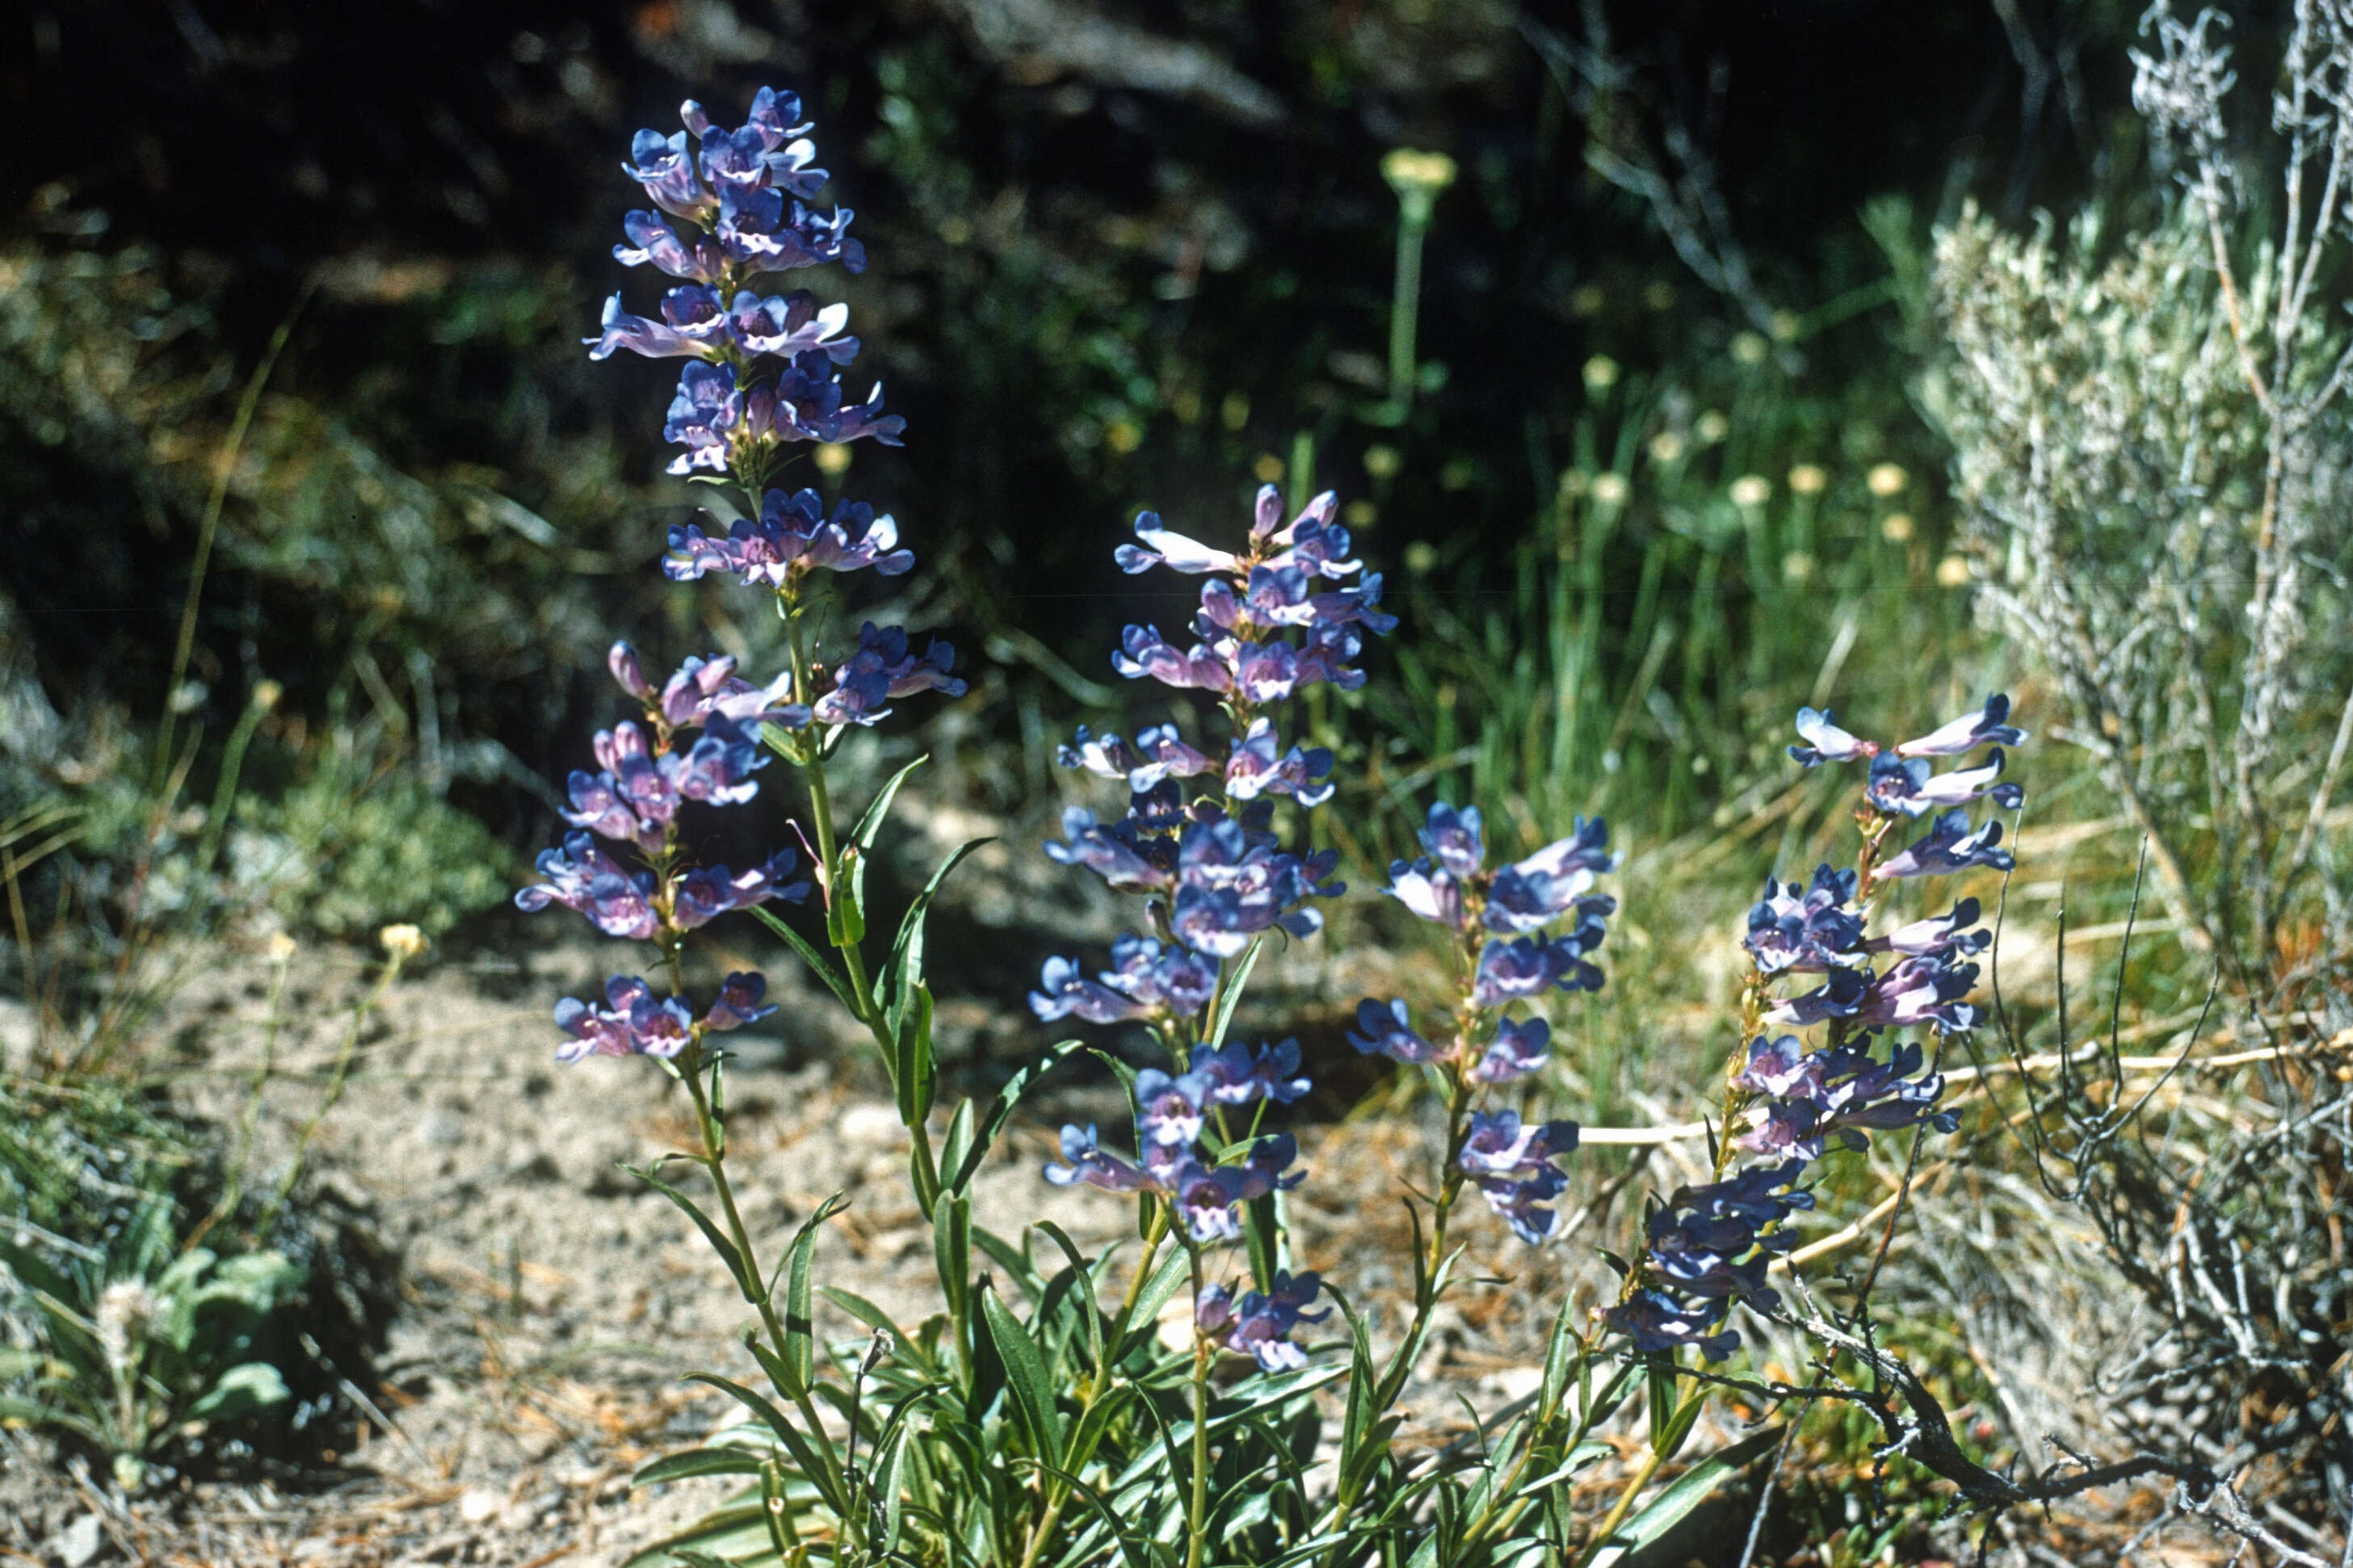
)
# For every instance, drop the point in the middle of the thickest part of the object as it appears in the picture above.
(1025, 1373)
(728, 1255)
(1001, 1111)
(813, 1468)
(819, 964)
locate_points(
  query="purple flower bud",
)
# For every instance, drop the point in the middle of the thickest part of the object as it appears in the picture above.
(622, 659)
(1825, 742)
(1213, 1309)
(1969, 732)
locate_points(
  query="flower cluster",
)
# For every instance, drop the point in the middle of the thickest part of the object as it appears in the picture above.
(1710, 1245)
(741, 197)
(1199, 843)
(1498, 919)
(731, 208)
(1217, 875)
(1260, 1324)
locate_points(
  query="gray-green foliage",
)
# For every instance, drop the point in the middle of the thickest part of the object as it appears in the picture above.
(114, 1327)
(2149, 440)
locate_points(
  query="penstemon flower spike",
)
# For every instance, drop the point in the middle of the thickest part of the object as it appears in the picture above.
(1011, 1429)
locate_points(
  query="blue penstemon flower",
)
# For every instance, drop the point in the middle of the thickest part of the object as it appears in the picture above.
(1711, 1245)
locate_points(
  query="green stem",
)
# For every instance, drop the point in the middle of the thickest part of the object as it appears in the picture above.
(1619, 1510)
(833, 869)
(1196, 1507)
(1413, 223)
(714, 1160)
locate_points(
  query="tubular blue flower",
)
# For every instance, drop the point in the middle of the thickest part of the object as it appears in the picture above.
(1908, 785)
(704, 690)
(692, 326)
(1164, 754)
(1175, 551)
(1657, 1323)
(1520, 901)
(1430, 892)
(1237, 1074)
(653, 240)
(764, 231)
(1835, 1098)
(1512, 1163)
(1083, 1161)
(1922, 990)
(791, 536)
(1143, 652)
(740, 1002)
(1841, 995)
(1825, 742)
(715, 767)
(1990, 726)
(1500, 1144)
(1168, 1110)
(804, 404)
(1950, 847)
(1946, 933)
(1160, 977)
(707, 410)
(1261, 1324)
(704, 895)
(1521, 1046)
(583, 878)
(1064, 993)
(789, 324)
(634, 1021)
(1105, 756)
(1232, 886)
(1455, 839)
(664, 166)
(1115, 853)
(1255, 768)
(1387, 1031)
(1793, 931)
(883, 668)
(1510, 970)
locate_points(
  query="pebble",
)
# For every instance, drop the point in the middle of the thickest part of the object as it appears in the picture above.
(82, 1540)
(480, 1506)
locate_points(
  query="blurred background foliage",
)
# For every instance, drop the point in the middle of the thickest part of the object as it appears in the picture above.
(1659, 476)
